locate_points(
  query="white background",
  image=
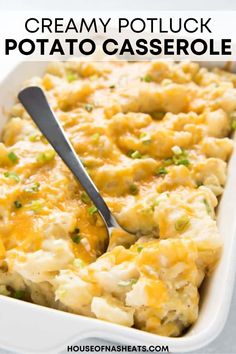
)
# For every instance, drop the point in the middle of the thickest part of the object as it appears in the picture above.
(226, 342)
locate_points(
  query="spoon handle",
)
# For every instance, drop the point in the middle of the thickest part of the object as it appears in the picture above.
(34, 101)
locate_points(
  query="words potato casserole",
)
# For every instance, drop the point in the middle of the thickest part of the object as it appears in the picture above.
(154, 138)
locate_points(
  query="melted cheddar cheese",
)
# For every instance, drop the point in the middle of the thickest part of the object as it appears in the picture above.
(154, 137)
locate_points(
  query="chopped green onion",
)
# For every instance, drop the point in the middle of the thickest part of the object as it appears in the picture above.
(92, 210)
(18, 294)
(76, 239)
(184, 162)
(12, 175)
(208, 208)
(71, 76)
(130, 152)
(233, 122)
(182, 224)
(139, 249)
(161, 171)
(75, 235)
(133, 189)
(168, 161)
(158, 115)
(12, 157)
(34, 188)
(46, 156)
(129, 282)
(180, 157)
(233, 125)
(145, 138)
(17, 204)
(34, 138)
(146, 78)
(85, 198)
(96, 137)
(36, 205)
(88, 107)
(135, 155)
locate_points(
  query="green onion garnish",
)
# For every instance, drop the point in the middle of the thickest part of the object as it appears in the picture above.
(133, 189)
(180, 157)
(96, 137)
(146, 78)
(135, 155)
(75, 235)
(182, 224)
(12, 175)
(129, 282)
(37, 205)
(139, 249)
(76, 239)
(18, 294)
(46, 156)
(183, 161)
(34, 138)
(161, 171)
(92, 210)
(169, 161)
(233, 121)
(12, 157)
(88, 107)
(233, 124)
(208, 208)
(71, 76)
(85, 198)
(34, 188)
(145, 138)
(17, 204)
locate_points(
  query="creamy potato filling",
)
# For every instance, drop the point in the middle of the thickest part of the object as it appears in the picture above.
(154, 137)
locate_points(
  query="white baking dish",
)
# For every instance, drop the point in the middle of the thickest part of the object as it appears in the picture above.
(29, 328)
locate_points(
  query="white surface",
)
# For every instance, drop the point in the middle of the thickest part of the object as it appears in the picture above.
(226, 342)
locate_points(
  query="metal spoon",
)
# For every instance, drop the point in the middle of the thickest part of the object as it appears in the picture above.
(34, 101)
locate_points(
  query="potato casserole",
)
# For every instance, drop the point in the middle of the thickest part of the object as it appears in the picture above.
(154, 137)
